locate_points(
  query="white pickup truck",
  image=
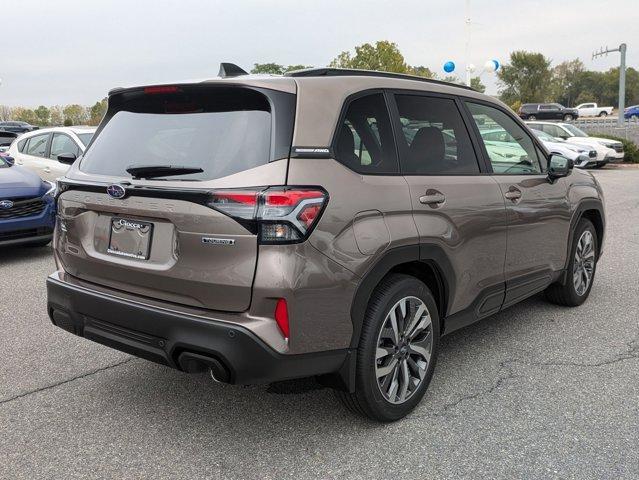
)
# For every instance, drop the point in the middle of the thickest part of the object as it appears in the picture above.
(593, 110)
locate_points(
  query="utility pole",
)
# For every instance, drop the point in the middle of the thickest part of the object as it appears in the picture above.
(467, 22)
(622, 76)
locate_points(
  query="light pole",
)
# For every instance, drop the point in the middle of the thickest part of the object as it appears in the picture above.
(622, 76)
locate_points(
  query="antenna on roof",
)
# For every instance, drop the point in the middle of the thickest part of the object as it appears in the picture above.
(228, 70)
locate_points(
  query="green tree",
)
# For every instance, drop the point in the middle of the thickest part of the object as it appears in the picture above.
(567, 82)
(476, 83)
(292, 68)
(275, 68)
(75, 115)
(22, 114)
(272, 68)
(384, 56)
(422, 71)
(56, 116)
(6, 113)
(42, 114)
(610, 87)
(97, 111)
(526, 78)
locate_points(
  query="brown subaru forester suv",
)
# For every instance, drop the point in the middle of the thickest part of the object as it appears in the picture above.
(329, 223)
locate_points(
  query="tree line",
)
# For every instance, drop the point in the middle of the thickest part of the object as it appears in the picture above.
(384, 56)
(56, 115)
(527, 77)
(530, 77)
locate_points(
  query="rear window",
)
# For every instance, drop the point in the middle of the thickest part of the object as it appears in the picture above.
(220, 130)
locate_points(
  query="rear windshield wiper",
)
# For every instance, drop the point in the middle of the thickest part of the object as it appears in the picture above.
(155, 171)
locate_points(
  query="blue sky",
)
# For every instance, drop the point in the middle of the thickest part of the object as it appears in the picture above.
(74, 51)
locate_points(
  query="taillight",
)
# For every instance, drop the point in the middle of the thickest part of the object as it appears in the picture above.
(276, 214)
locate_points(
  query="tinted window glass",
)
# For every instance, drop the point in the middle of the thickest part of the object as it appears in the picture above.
(21, 145)
(63, 144)
(553, 130)
(221, 131)
(85, 138)
(514, 151)
(365, 138)
(436, 140)
(37, 145)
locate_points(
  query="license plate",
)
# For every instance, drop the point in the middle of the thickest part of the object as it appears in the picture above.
(130, 238)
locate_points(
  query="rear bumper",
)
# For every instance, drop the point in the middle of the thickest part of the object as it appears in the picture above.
(185, 342)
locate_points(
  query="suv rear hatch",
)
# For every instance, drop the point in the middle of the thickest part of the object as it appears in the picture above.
(162, 232)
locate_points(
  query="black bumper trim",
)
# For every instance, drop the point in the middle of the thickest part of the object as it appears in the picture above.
(162, 336)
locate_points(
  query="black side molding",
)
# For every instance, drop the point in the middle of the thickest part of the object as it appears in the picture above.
(431, 255)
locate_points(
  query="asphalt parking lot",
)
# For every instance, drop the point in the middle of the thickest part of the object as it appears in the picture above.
(538, 391)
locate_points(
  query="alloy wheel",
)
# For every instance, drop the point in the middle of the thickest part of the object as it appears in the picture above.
(404, 347)
(584, 263)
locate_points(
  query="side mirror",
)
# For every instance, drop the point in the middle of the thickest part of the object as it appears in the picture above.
(67, 158)
(559, 167)
(9, 160)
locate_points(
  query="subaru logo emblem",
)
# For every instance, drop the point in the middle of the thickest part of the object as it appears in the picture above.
(116, 191)
(6, 204)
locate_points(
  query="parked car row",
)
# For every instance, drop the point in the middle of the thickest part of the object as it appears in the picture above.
(28, 171)
(556, 111)
(608, 151)
(50, 151)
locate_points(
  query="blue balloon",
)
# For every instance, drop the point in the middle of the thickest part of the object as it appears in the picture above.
(449, 67)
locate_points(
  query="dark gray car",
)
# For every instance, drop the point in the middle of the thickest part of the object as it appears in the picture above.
(327, 223)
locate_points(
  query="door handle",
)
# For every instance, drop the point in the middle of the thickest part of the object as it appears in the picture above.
(513, 194)
(47, 170)
(432, 198)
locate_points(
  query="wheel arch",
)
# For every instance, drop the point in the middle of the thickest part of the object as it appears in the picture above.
(426, 262)
(593, 210)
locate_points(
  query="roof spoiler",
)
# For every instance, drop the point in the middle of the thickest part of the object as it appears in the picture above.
(229, 70)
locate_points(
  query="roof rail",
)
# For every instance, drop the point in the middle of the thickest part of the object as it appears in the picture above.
(347, 72)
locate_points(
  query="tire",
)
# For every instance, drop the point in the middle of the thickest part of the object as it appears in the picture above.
(567, 117)
(603, 114)
(600, 165)
(571, 294)
(382, 400)
(532, 117)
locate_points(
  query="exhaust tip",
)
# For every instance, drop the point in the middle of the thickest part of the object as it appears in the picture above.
(191, 362)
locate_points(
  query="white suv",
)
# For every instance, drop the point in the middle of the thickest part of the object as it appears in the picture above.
(39, 150)
(607, 150)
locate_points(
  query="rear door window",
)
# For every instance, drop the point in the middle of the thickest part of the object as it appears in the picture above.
(220, 130)
(37, 145)
(364, 141)
(435, 140)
